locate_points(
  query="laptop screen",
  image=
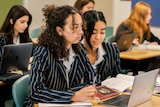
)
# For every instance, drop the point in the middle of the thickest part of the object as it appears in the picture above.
(16, 57)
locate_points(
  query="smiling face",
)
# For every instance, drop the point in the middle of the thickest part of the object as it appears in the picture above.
(98, 34)
(21, 24)
(72, 32)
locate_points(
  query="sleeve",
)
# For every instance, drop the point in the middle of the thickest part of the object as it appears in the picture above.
(114, 53)
(117, 65)
(2, 43)
(154, 39)
(39, 90)
(111, 65)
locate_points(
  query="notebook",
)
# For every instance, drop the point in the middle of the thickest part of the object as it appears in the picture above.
(142, 91)
(125, 41)
(15, 61)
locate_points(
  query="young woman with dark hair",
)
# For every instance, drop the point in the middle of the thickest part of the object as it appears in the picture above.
(16, 25)
(103, 56)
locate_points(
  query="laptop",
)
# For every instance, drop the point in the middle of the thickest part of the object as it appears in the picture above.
(142, 91)
(125, 41)
(15, 61)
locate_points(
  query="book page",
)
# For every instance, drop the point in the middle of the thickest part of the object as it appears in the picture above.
(125, 77)
(117, 83)
(74, 104)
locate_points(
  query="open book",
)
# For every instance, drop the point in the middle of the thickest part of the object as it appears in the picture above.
(121, 82)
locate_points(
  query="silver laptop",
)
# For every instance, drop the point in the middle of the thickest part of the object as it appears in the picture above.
(142, 91)
(15, 59)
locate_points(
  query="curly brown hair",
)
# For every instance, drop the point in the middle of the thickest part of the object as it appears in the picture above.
(49, 38)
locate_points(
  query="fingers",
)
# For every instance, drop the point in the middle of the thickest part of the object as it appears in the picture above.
(84, 94)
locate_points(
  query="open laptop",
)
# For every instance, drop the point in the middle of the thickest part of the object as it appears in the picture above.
(125, 41)
(142, 91)
(15, 61)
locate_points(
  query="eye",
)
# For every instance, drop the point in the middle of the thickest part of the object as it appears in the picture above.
(102, 32)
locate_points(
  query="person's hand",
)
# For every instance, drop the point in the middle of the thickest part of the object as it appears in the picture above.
(136, 41)
(86, 93)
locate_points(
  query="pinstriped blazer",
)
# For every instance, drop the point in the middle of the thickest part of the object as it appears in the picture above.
(110, 66)
(48, 82)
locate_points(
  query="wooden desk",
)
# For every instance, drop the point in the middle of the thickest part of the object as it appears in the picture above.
(135, 57)
(153, 103)
(139, 54)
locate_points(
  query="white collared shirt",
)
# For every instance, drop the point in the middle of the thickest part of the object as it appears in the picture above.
(68, 63)
(18, 41)
(101, 52)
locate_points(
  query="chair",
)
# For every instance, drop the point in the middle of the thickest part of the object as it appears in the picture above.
(20, 90)
(35, 33)
(109, 38)
(109, 31)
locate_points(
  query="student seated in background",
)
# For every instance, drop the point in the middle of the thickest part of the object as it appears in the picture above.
(84, 5)
(15, 27)
(103, 56)
(138, 22)
(60, 64)
(14, 30)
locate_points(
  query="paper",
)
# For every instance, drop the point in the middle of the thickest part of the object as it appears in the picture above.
(147, 47)
(74, 104)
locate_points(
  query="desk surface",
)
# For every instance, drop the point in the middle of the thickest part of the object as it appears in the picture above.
(153, 103)
(139, 54)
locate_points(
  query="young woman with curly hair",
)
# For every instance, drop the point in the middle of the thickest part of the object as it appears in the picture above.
(60, 66)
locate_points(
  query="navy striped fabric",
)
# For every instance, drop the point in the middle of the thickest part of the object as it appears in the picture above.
(48, 82)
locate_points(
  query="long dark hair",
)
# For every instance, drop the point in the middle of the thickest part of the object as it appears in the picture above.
(49, 38)
(91, 17)
(16, 12)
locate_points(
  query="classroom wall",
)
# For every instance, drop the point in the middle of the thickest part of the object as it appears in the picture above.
(5, 7)
(115, 11)
(35, 8)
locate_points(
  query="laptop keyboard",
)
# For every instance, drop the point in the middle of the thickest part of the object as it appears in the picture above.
(119, 101)
(9, 76)
(12, 76)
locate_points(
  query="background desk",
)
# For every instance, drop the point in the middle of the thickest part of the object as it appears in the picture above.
(155, 102)
(133, 58)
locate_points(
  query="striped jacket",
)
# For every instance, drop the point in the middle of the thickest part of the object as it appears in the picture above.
(110, 66)
(48, 82)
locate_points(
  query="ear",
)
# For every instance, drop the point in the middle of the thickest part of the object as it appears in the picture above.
(59, 30)
(11, 21)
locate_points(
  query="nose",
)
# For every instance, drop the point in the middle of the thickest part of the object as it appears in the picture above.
(26, 25)
(98, 36)
(80, 31)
